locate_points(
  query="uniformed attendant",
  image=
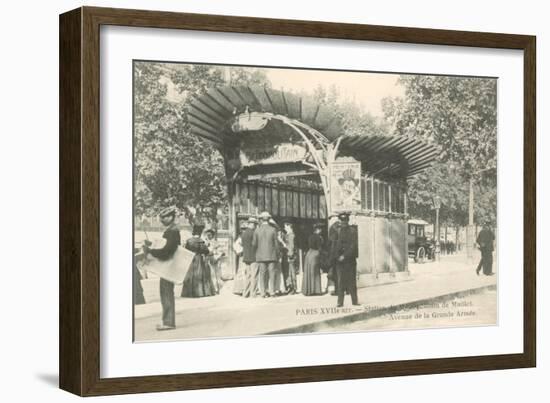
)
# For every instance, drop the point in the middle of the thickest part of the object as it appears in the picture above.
(344, 255)
(173, 240)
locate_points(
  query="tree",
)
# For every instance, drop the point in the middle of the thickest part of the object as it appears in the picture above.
(458, 115)
(172, 166)
(355, 121)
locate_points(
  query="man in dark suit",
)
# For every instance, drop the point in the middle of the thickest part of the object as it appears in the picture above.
(485, 241)
(265, 244)
(173, 240)
(249, 259)
(344, 255)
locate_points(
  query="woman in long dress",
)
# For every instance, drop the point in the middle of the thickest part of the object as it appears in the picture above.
(198, 280)
(239, 283)
(311, 282)
(213, 258)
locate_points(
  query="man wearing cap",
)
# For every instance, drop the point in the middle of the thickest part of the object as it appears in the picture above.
(173, 240)
(344, 255)
(264, 242)
(485, 241)
(249, 259)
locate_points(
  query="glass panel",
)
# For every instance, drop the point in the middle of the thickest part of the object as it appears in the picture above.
(387, 197)
(291, 205)
(275, 201)
(243, 198)
(376, 199)
(394, 197)
(268, 199)
(252, 196)
(380, 196)
(315, 205)
(295, 204)
(261, 198)
(322, 207)
(363, 194)
(369, 194)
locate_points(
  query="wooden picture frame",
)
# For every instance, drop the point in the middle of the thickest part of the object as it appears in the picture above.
(79, 88)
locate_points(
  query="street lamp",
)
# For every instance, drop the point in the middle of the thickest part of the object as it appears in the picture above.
(437, 206)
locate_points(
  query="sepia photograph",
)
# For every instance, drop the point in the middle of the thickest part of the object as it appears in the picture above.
(277, 201)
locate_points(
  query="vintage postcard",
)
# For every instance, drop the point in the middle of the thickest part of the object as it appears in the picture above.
(286, 201)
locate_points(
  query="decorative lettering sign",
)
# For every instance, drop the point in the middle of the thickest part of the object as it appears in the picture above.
(345, 186)
(277, 154)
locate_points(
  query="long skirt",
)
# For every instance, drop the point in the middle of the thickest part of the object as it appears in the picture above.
(311, 282)
(215, 272)
(198, 280)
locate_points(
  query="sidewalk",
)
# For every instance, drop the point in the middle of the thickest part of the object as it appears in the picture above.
(229, 315)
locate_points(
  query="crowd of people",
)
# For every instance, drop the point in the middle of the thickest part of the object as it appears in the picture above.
(268, 261)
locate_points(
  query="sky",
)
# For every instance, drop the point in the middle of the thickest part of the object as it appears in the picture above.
(367, 89)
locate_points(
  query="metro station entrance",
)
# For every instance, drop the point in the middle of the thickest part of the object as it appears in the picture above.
(300, 201)
(291, 156)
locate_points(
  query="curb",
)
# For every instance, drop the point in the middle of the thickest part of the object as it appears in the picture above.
(354, 317)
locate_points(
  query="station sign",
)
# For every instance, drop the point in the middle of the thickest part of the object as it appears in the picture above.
(276, 154)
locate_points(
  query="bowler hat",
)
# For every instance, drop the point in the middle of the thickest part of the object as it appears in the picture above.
(252, 220)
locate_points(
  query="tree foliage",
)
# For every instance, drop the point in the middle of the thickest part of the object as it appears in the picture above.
(355, 120)
(459, 116)
(172, 166)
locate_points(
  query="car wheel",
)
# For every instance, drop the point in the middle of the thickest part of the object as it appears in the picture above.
(420, 255)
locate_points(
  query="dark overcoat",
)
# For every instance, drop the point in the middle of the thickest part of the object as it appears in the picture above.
(266, 244)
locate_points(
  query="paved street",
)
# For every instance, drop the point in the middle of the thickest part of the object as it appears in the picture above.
(432, 286)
